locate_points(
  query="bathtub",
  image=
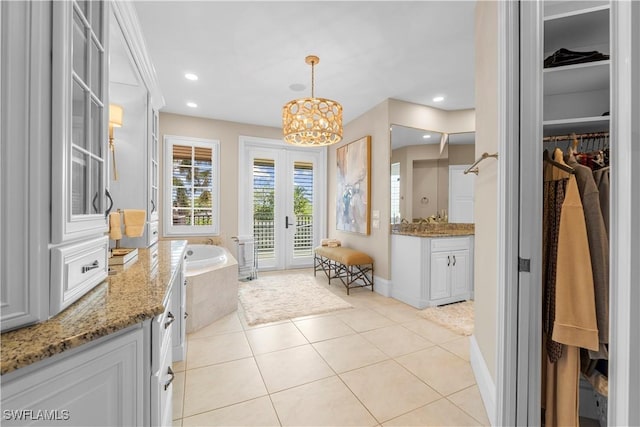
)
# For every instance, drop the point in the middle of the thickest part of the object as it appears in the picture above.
(212, 285)
(203, 258)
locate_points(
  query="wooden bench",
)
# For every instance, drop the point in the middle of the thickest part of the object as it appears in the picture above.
(352, 267)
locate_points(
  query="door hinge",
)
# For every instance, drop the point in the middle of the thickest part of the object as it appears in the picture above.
(524, 264)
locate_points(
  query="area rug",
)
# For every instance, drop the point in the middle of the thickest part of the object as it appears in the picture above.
(280, 297)
(456, 317)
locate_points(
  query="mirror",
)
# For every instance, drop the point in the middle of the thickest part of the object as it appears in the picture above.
(422, 162)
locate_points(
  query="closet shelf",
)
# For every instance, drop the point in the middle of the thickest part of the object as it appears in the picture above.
(585, 77)
(578, 125)
(583, 30)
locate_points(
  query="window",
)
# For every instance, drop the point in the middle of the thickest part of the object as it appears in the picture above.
(192, 182)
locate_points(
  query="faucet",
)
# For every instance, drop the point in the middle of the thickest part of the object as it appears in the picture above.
(209, 241)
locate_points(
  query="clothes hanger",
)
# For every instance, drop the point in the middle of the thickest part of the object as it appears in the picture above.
(546, 157)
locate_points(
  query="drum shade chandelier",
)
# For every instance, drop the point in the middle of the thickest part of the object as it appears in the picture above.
(312, 122)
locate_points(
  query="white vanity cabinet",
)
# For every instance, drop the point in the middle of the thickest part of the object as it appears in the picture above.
(100, 383)
(428, 271)
(54, 74)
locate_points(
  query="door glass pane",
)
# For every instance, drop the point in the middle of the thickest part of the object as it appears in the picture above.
(96, 70)
(96, 130)
(78, 119)
(96, 18)
(79, 48)
(303, 209)
(97, 188)
(79, 180)
(263, 207)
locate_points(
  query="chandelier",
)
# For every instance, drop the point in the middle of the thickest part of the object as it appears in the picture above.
(312, 122)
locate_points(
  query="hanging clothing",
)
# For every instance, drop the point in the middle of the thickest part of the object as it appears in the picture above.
(553, 190)
(598, 246)
(601, 177)
(575, 323)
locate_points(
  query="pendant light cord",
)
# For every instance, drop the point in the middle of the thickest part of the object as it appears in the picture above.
(313, 64)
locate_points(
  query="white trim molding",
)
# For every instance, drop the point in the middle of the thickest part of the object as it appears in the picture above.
(382, 286)
(486, 385)
(624, 371)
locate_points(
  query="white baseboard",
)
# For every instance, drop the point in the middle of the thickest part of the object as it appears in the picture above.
(483, 378)
(382, 286)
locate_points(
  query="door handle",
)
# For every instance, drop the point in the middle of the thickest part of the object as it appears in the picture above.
(286, 222)
(448, 260)
(454, 260)
(172, 376)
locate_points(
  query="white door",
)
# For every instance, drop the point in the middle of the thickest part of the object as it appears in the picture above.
(440, 275)
(461, 193)
(460, 273)
(283, 203)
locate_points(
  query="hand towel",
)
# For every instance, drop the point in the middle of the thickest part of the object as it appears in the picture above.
(115, 232)
(134, 220)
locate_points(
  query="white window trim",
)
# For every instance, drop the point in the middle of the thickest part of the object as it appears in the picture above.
(170, 230)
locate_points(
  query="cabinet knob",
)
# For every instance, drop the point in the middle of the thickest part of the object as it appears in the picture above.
(171, 318)
(168, 383)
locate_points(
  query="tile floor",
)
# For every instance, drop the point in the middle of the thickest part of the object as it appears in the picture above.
(378, 364)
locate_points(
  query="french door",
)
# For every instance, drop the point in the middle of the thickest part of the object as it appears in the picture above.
(282, 201)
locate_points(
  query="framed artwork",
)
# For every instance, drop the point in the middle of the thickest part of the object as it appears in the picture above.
(354, 186)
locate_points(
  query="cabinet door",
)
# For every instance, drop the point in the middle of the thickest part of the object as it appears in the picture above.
(460, 273)
(79, 120)
(440, 272)
(102, 385)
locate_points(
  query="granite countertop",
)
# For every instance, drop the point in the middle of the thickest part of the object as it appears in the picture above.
(122, 300)
(434, 230)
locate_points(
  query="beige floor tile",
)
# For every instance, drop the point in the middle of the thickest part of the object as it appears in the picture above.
(459, 347)
(225, 325)
(349, 352)
(323, 328)
(387, 390)
(177, 423)
(441, 370)
(276, 337)
(292, 367)
(400, 313)
(396, 340)
(257, 412)
(221, 385)
(439, 413)
(178, 394)
(217, 349)
(470, 401)
(326, 402)
(431, 331)
(362, 319)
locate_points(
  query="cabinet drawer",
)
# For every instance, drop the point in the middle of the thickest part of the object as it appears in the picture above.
(449, 244)
(153, 232)
(162, 392)
(161, 330)
(75, 270)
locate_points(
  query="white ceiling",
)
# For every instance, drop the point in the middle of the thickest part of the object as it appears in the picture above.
(247, 54)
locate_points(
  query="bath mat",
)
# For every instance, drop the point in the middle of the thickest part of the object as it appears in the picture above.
(456, 317)
(280, 297)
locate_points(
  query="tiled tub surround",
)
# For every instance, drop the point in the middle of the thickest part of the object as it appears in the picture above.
(212, 293)
(125, 299)
(443, 229)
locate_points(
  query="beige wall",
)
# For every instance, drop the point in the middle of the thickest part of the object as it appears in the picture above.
(486, 200)
(375, 123)
(227, 133)
(426, 177)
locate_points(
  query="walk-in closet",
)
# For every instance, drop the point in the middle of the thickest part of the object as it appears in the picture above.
(575, 225)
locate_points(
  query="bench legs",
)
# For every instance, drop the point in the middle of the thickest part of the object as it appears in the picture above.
(351, 276)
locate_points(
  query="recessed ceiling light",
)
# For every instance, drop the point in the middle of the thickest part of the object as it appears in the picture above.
(438, 99)
(426, 136)
(297, 87)
(191, 76)
(192, 105)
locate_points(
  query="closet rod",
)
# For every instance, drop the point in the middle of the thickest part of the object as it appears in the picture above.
(574, 135)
